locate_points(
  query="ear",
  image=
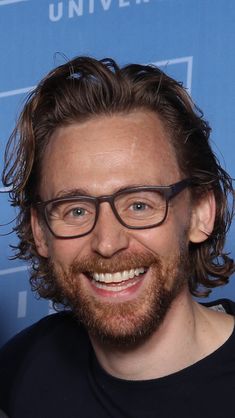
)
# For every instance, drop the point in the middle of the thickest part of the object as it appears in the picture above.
(203, 218)
(39, 234)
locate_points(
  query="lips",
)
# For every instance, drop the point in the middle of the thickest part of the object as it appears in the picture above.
(118, 281)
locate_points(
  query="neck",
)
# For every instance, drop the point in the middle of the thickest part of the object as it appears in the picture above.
(188, 333)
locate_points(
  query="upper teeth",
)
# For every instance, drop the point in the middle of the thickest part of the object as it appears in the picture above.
(117, 277)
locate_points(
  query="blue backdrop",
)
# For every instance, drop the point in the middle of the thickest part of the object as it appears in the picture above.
(192, 40)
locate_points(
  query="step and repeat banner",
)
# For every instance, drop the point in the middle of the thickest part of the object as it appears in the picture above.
(191, 40)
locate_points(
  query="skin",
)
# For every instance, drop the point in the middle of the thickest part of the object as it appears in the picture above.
(100, 156)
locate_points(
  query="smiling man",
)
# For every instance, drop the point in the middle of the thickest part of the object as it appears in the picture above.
(123, 213)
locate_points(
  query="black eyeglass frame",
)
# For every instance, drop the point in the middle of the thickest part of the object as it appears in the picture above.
(169, 192)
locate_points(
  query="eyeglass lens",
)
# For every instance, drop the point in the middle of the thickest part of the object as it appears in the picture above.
(76, 216)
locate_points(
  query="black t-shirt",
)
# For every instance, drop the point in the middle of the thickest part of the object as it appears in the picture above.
(50, 371)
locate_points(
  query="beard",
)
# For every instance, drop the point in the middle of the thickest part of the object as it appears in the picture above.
(123, 324)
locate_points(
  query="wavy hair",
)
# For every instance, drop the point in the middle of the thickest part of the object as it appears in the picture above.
(83, 88)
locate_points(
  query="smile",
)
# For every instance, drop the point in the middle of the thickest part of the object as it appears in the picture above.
(121, 283)
(118, 277)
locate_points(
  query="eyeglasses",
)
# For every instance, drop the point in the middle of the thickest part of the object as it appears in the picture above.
(141, 207)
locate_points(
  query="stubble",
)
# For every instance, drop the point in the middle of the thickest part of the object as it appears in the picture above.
(128, 323)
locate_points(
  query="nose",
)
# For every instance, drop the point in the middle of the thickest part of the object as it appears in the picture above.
(109, 236)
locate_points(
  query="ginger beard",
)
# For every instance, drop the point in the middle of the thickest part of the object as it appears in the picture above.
(124, 324)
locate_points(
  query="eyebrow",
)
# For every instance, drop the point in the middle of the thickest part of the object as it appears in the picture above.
(71, 193)
(84, 192)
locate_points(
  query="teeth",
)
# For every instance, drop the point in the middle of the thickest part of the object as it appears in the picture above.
(117, 277)
(118, 288)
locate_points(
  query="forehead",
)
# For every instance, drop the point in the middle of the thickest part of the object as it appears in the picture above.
(109, 152)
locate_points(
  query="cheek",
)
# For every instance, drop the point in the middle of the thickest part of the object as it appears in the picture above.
(64, 252)
(166, 239)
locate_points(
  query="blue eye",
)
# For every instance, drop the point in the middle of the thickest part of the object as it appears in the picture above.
(139, 206)
(77, 212)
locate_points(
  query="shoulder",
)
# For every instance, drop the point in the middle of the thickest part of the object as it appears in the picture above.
(48, 327)
(41, 347)
(222, 305)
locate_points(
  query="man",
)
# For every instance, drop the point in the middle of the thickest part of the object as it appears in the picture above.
(123, 213)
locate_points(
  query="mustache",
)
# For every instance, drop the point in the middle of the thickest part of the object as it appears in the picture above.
(98, 264)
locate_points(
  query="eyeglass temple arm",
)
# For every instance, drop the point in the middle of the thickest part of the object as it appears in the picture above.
(179, 187)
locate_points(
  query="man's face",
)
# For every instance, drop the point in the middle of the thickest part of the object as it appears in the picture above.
(99, 157)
